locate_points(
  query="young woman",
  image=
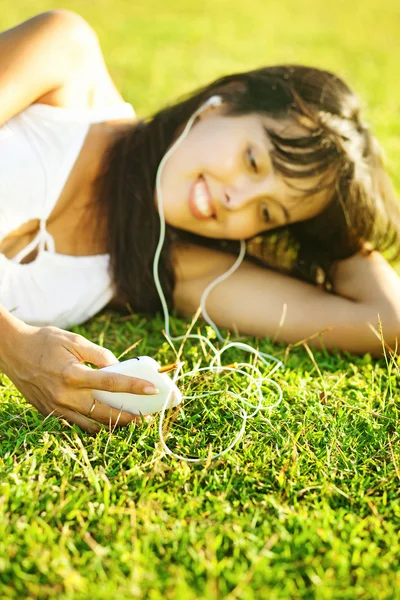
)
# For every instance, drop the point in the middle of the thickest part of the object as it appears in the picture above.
(285, 163)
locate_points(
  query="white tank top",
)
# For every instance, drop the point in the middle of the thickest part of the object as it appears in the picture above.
(38, 149)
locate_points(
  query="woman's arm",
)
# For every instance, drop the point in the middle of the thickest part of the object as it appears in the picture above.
(46, 365)
(42, 55)
(261, 302)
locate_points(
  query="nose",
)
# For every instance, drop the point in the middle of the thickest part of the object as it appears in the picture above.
(245, 192)
(236, 199)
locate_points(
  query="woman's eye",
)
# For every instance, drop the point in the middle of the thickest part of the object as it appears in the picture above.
(252, 161)
(265, 214)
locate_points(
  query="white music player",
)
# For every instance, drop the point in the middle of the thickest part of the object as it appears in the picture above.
(147, 368)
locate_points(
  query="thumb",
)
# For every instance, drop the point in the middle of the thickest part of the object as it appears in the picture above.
(97, 355)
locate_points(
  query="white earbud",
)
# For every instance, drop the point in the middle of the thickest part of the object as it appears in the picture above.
(214, 101)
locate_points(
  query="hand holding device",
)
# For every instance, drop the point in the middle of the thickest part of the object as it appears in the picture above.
(46, 365)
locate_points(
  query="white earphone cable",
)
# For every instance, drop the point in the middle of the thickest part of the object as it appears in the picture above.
(263, 357)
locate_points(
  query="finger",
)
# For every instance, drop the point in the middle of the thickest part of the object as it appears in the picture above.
(83, 403)
(74, 417)
(107, 415)
(97, 355)
(84, 377)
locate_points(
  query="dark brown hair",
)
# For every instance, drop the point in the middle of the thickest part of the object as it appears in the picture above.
(337, 146)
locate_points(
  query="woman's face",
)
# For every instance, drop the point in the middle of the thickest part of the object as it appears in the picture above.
(220, 183)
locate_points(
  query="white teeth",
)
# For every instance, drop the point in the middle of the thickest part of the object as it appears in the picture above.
(202, 200)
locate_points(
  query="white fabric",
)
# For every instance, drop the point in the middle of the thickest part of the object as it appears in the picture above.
(38, 149)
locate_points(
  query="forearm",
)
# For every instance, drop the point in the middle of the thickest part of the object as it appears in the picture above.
(10, 326)
(368, 280)
(261, 302)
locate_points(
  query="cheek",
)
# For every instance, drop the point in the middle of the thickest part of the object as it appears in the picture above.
(242, 226)
(214, 152)
(223, 161)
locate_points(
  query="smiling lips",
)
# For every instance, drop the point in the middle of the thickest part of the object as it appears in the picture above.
(200, 201)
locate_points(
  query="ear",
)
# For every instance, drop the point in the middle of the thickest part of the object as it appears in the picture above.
(211, 111)
(227, 92)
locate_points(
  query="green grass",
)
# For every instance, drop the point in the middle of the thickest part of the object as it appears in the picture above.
(307, 505)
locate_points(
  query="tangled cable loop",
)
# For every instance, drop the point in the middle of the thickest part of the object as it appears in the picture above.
(266, 359)
(256, 381)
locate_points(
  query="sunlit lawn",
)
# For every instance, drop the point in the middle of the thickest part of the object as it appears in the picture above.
(307, 505)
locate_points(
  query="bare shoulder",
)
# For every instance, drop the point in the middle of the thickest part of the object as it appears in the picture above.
(54, 58)
(90, 84)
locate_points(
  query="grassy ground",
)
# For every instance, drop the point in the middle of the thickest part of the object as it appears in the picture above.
(307, 506)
